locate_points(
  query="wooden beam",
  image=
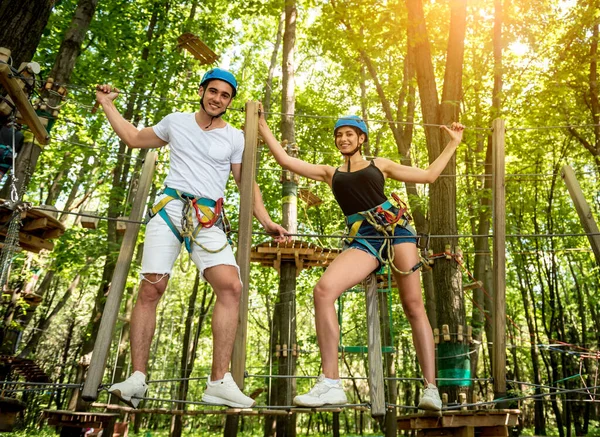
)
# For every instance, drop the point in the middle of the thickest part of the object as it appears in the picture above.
(119, 279)
(32, 243)
(35, 224)
(22, 102)
(53, 233)
(376, 383)
(583, 210)
(499, 259)
(238, 362)
(197, 48)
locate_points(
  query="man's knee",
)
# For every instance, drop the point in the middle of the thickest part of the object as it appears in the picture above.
(152, 288)
(229, 289)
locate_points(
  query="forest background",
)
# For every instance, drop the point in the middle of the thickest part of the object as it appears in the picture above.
(360, 57)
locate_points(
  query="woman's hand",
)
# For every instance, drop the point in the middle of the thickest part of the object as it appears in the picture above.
(455, 131)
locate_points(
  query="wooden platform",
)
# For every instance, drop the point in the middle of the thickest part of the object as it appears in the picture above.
(28, 369)
(303, 254)
(217, 410)
(75, 419)
(38, 227)
(9, 408)
(197, 48)
(484, 423)
(32, 299)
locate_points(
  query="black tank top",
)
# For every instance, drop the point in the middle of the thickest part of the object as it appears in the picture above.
(358, 190)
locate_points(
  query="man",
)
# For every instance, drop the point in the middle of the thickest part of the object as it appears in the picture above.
(204, 149)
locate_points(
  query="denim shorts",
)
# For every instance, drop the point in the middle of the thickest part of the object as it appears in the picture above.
(405, 234)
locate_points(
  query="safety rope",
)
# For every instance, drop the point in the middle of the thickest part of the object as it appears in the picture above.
(11, 242)
(187, 223)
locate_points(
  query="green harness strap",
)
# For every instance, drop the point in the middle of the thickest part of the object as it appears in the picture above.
(191, 202)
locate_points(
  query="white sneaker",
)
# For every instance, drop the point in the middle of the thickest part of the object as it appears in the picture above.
(226, 392)
(431, 399)
(130, 390)
(323, 393)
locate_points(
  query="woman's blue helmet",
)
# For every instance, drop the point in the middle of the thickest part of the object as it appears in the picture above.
(220, 74)
(354, 121)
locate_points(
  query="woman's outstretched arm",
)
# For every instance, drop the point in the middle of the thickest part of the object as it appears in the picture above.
(316, 172)
(429, 175)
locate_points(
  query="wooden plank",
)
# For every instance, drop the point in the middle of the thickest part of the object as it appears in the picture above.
(474, 418)
(31, 242)
(286, 251)
(465, 431)
(197, 48)
(494, 431)
(583, 210)
(113, 301)
(499, 259)
(35, 224)
(52, 233)
(49, 210)
(238, 364)
(21, 100)
(376, 383)
(89, 220)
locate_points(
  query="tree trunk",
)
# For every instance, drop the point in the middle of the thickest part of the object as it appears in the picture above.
(446, 275)
(23, 23)
(61, 73)
(187, 361)
(269, 424)
(482, 245)
(387, 340)
(45, 324)
(592, 98)
(286, 425)
(116, 197)
(59, 179)
(538, 418)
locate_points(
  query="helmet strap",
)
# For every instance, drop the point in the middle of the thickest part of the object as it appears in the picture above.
(351, 154)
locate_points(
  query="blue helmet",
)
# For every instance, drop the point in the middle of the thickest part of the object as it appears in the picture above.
(220, 74)
(354, 121)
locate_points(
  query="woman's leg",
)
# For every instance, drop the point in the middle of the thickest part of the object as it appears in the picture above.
(347, 270)
(405, 258)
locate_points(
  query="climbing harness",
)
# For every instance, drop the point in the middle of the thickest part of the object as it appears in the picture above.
(207, 211)
(384, 220)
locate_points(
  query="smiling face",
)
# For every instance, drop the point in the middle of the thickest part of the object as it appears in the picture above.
(348, 139)
(217, 97)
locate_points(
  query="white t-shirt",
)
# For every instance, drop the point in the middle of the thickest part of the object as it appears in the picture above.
(200, 160)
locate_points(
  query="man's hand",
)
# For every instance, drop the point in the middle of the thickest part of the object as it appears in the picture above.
(106, 93)
(278, 232)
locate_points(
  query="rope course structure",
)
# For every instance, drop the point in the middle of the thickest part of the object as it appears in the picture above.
(305, 255)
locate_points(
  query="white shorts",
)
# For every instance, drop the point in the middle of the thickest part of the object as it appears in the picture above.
(162, 247)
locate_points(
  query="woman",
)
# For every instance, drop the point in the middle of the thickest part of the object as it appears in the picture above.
(358, 186)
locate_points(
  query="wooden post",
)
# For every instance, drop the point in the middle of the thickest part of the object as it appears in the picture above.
(499, 259)
(119, 279)
(583, 210)
(376, 385)
(22, 102)
(238, 365)
(238, 359)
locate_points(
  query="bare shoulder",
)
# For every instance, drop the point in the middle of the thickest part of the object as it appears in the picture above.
(329, 172)
(382, 163)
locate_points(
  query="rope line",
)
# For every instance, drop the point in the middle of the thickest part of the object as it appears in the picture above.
(89, 88)
(333, 236)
